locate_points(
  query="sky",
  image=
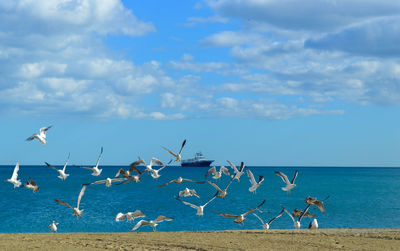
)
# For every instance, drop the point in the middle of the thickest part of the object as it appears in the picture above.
(266, 82)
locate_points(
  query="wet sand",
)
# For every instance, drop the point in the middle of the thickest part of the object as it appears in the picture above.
(321, 239)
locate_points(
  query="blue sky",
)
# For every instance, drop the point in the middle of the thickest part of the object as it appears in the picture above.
(264, 82)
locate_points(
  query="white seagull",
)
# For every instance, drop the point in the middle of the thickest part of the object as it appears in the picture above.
(149, 167)
(77, 212)
(297, 222)
(188, 192)
(238, 173)
(177, 156)
(266, 225)
(129, 216)
(107, 181)
(53, 226)
(61, 172)
(152, 223)
(41, 136)
(200, 208)
(289, 184)
(128, 173)
(14, 178)
(96, 171)
(155, 172)
(180, 180)
(217, 174)
(31, 184)
(313, 224)
(240, 218)
(222, 193)
(254, 184)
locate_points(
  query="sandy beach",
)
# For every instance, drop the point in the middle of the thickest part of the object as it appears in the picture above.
(322, 239)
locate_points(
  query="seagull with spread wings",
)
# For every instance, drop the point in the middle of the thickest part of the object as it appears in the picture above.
(237, 172)
(188, 192)
(14, 178)
(155, 172)
(41, 136)
(313, 201)
(129, 216)
(95, 170)
(200, 208)
(107, 181)
(53, 226)
(128, 173)
(254, 184)
(77, 212)
(152, 223)
(177, 156)
(297, 212)
(31, 184)
(61, 172)
(266, 225)
(289, 184)
(217, 174)
(221, 193)
(240, 218)
(180, 180)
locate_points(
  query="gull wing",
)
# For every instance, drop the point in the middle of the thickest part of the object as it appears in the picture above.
(85, 167)
(215, 195)
(132, 167)
(304, 212)
(235, 170)
(63, 203)
(183, 144)
(31, 137)
(211, 170)
(32, 182)
(262, 222)
(138, 213)
(215, 185)
(225, 171)
(139, 224)
(156, 161)
(165, 165)
(320, 205)
(43, 131)
(175, 155)
(98, 159)
(121, 171)
(276, 217)
(283, 176)
(252, 210)
(80, 195)
(124, 181)
(187, 203)
(96, 182)
(291, 216)
(228, 215)
(229, 183)
(66, 162)
(120, 217)
(251, 177)
(199, 182)
(165, 183)
(118, 179)
(15, 172)
(163, 218)
(260, 179)
(294, 176)
(51, 166)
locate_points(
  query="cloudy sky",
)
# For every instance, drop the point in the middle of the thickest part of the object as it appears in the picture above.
(267, 82)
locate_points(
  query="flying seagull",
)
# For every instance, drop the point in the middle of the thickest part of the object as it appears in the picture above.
(177, 156)
(188, 192)
(96, 171)
(14, 178)
(222, 193)
(128, 173)
(297, 212)
(149, 167)
(152, 223)
(289, 185)
(238, 172)
(41, 136)
(31, 184)
(107, 181)
(217, 174)
(200, 208)
(180, 180)
(129, 216)
(61, 172)
(254, 184)
(154, 172)
(313, 201)
(266, 225)
(77, 211)
(241, 217)
(297, 222)
(53, 226)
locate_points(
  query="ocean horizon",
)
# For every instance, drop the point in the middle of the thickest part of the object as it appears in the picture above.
(359, 197)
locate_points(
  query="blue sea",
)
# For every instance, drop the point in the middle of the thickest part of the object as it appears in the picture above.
(359, 198)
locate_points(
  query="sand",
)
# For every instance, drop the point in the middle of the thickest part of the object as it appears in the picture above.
(321, 239)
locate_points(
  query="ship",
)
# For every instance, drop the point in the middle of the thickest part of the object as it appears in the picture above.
(198, 161)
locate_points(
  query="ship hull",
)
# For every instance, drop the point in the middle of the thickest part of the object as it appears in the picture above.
(200, 163)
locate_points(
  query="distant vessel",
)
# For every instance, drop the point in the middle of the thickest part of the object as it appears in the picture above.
(198, 160)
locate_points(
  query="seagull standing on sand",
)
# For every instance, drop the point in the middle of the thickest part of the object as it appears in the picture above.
(152, 223)
(41, 136)
(289, 184)
(188, 192)
(96, 171)
(200, 209)
(180, 180)
(241, 217)
(14, 178)
(31, 184)
(238, 173)
(53, 226)
(107, 181)
(61, 172)
(313, 224)
(297, 222)
(266, 225)
(77, 211)
(254, 184)
(217, 175)
(177, 156)
(129, 216)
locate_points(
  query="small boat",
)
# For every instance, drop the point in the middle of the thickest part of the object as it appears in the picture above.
(198, 161)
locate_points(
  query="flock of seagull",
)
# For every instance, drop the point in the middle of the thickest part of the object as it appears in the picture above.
(133, 175)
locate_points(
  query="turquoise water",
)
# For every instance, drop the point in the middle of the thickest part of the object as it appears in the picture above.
(359, 198)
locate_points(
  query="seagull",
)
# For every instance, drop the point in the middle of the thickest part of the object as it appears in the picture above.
(41, 136)
(31, 184)
(128, 173)
(53, 226)
(129, 216)
(297, 222)
(154, 172)
(254, 184)
(200, 209)
(217, 175)
(297, 212)
(77, 211)
(108, 181)
(241, 217)
(13, 180)
(237, 172)
(96, 171)
(177, 156)
(188, 192)
(266, 225)
(152, 223)
(313, 224)
(289, 185)
(180, 180)
(62, 173)
(313, 201)
(149, 167)
(222, 193)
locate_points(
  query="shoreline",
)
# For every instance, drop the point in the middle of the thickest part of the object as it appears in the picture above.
(303, 239)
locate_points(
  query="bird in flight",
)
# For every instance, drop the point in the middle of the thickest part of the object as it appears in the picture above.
(177, 156)
(41, 136)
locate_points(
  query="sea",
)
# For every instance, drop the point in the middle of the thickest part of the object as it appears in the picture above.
(359, 197)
